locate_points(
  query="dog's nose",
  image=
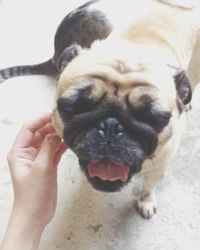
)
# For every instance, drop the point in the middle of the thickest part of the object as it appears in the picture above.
(110, 127)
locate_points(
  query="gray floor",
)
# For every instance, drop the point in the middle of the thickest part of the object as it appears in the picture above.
(85, 219)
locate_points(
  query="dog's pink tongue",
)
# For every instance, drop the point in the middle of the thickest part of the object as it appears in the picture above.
(108, 171)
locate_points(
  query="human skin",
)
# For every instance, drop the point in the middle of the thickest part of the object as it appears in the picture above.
(33, 161)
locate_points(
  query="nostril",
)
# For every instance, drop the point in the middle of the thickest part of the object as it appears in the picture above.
(101, 132)
(119, 129)
(102, 126)
(110, 127)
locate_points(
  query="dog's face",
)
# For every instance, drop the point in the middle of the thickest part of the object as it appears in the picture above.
(115, 114)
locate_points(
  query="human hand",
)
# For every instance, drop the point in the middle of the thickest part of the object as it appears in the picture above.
(33, 161)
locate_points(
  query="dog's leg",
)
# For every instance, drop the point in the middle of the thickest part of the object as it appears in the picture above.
(147, 204)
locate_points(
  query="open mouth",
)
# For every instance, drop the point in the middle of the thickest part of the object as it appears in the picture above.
(108, 171)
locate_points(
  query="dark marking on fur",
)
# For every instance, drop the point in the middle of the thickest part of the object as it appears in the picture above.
(149, 112)
(180, 106)
(135, 142)
(183, 87)
(83, 103)
(46, 68)
(82, 27)
(142, 132)
(67, 56)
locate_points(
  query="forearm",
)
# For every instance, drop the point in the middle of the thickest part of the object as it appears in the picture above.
(22, 233)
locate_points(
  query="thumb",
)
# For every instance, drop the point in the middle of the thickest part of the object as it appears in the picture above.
(47, 151)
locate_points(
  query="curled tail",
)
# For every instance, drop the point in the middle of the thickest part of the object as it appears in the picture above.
(45, 68)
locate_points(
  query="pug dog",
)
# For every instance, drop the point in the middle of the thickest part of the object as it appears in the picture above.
(125, 73)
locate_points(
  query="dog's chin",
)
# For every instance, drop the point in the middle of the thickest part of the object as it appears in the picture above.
(106, 176)
(106, 186)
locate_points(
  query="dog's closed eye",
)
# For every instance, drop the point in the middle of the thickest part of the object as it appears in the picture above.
(155, 117)
(150, 112)
(70, 107)
(83, 102)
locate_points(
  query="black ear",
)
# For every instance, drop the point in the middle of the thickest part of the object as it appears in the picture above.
(67, 56)
(183, 87)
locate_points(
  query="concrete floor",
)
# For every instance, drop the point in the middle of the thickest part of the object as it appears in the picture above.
(85, 219)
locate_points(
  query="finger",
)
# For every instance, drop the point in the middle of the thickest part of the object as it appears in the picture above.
(33, 126)
(46, 154)
(47, 129)
(63, 147)
(25, 137)
(41, 133)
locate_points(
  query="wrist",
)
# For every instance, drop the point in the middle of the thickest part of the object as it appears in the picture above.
(23, 232)
(29, 216)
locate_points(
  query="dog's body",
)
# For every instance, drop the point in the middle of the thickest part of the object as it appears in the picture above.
(121, 100)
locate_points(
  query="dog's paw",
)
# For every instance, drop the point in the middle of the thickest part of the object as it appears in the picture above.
(147, 207)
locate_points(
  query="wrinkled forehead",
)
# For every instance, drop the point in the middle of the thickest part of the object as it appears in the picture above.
(117, 79)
